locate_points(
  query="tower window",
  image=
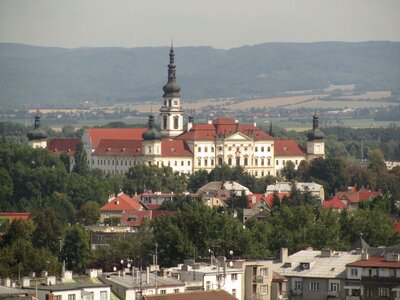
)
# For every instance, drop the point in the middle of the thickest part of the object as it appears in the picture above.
(176, 122)
(175, 102)
(165, 122)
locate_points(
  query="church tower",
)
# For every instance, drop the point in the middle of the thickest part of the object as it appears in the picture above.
(315, 142)
(37, 138)
(171, 111)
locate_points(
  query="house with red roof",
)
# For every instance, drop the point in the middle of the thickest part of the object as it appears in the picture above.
(374, 277)
(119, 205)
(8, 217)
(350, 199)
(67, 146)
(196, 146)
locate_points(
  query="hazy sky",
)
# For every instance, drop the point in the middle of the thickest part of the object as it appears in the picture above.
(217, 23)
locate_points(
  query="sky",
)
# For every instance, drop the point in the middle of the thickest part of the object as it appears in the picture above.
(217, 23)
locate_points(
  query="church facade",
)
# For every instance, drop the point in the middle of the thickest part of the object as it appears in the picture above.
(196, 146)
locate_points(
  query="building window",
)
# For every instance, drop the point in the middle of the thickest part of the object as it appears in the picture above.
(354, 272)
(230, 161)
(277, 162)
(103, 295)
(238, 161)
(212, 149)
(188, 162)
(208, 285)
(264, 272)
(198, 149)
(182, 163)
(205, 149)
(383, 292)
(264, 289)
(176, 122)
(212, 162)
(165, 122)
(334, 286)
(262, 149)
(205, 162)
(256, 161)
(246, 161)
(163, 292)
(176, 291)
(176, 163)
(199, 162)
(234, 292)
(283, 162)
(169, 163)
(219, 161)
(220, 148)
(298, 285)
(71, 297)
(175, 102)
(269, 161)
(269, 149)
(262, 161)
(369, 292)
(57, 297)
(230, 148)
(256, 149)
(234, 276)
(314, 286)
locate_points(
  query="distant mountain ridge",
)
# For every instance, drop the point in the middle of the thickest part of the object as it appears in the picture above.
(57, 76)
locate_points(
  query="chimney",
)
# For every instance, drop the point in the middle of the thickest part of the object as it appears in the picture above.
(26, 282)
(255, 124)
(190, 123)
(284, 254)
(364, 254)
(147, 275)
(51, 280)
(326, 252)
(253, 199)
(7, 282)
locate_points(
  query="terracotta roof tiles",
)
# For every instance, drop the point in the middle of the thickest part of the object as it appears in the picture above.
(175, 148)
(375, 262)
(121, 203)
(96, 134)
(288, 148)
(200, 295)
(118, 148)
(58, 146)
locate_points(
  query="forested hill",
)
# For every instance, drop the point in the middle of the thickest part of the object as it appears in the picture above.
(42, 75)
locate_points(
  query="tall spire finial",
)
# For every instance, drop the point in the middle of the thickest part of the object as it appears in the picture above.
(171, 89)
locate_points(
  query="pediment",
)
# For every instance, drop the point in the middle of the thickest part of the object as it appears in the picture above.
(238, 136)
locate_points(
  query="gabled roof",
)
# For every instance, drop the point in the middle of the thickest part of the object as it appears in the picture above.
(356, 197)
(14, 215)
(58, 146)
(360, 244)
(334, 203)
(175, 148)
(198, 295)
(288, 148)
(121, 203)
(96, 134)
(118, 148)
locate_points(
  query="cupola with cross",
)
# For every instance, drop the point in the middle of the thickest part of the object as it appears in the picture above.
(171, 111)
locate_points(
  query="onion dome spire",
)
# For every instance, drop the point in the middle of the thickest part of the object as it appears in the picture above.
(171, 89)
(315, 134)
(37, 133)
(152, 133)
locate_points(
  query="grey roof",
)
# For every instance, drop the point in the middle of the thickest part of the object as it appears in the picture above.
(69, 286)
(360, 244)
(301, 186)
(333, 266)
(130, 282)
(214, 186)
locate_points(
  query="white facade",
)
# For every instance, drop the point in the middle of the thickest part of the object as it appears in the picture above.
(81, 293)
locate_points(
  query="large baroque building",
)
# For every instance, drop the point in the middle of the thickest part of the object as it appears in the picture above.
(196, 146)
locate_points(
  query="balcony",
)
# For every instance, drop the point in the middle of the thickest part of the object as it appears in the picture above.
(258, 279)
(333, 294)
(296, 292)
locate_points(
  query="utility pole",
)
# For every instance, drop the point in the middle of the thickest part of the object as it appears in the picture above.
(156, 270)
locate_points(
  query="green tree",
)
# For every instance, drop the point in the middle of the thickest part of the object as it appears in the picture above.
(197, 180)
(76, 249)
(89, 213)
(81, 162)
(289, 171)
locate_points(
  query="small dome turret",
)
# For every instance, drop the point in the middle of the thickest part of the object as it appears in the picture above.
(37, 133)
(171, 89)
(152, 133)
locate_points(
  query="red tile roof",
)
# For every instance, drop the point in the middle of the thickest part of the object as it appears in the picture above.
(175, 148)
(397, 227)
(121, 203)
(223, 127)
(198, 295)
(13, 216)
(288, 148)
(96, 134)
(267, 199)
(118, 148)
(377, 262)
(58, 146)
(356, 197)
(334, 203)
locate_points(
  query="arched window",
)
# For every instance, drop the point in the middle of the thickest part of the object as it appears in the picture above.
(164, 122)
(238, 161)
(230, 161)
(176, 122)
(246, 161)
(220, 161)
